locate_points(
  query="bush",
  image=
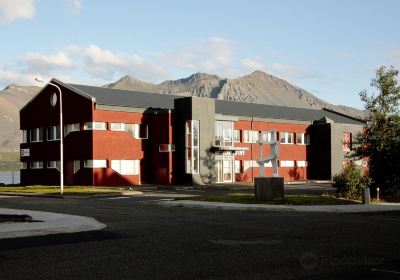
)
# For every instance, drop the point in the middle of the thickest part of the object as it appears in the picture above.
(350, 182)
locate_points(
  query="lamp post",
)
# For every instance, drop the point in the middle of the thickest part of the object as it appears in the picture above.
(53, 101)
(12, 144)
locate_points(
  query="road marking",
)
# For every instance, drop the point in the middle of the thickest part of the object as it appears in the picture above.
(388, 271)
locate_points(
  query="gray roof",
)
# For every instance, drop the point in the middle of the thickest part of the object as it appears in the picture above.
(128, 98)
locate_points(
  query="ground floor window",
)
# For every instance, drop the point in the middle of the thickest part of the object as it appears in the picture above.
(95, 163)
(53, 164)
(286, 163)
(77, 165)
(302, 163)
(126, 167)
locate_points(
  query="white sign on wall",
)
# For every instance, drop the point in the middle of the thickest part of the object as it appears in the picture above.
(25, 152)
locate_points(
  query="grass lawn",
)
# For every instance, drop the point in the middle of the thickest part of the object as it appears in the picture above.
(73, 190)
(288, 200)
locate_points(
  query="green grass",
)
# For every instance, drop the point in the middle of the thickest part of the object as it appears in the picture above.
(73, 190)
(288, 200)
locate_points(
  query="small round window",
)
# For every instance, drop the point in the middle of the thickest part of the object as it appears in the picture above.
(53, 99)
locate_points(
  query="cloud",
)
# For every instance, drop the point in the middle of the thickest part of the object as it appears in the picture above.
(86, 63)
(11, 10)
(251, 65)
(74, 6)
(213, 54)
(291, 73)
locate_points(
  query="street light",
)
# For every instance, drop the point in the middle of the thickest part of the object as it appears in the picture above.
(53, 102)
(12, 144)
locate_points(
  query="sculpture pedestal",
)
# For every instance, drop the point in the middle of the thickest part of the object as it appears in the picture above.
(268, 188)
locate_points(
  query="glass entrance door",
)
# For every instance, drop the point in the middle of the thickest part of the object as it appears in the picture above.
(224, 170)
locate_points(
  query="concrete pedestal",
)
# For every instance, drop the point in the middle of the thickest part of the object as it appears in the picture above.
(268, 188)
(366, 196)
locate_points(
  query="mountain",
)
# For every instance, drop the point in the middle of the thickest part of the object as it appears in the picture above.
(257, 87)
(12, 99)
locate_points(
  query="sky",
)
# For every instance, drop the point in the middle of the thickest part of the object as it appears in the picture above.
(329, 48)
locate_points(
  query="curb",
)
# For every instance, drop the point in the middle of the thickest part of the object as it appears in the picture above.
(126, 193)
(47, 223)
(359, 208)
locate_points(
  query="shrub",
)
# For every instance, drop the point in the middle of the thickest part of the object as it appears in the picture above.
(350, 182)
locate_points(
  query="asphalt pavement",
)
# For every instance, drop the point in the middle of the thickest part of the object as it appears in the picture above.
(144, 240)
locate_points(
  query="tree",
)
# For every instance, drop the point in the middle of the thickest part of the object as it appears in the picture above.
(350, 182)
(380, 139)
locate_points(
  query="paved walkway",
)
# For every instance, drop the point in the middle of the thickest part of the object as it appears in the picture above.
(354, 208)
(50, 223)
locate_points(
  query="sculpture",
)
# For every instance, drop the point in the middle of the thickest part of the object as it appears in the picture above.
(268, 137)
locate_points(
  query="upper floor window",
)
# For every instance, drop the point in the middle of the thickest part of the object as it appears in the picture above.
(24, 136)
(53, 133)
(36, 164)
(36, 134)
(192, 146)
(268, 136)
(236, 135)
(95, 126)
(302, 138)
(138, 131)
(347, 141)
(223, 133)
(287, 137)
(250, 136)
(68, 128)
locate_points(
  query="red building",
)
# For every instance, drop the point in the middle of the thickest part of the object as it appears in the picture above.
(119, 137)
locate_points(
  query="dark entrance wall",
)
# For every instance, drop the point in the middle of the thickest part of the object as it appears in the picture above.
(319, 152)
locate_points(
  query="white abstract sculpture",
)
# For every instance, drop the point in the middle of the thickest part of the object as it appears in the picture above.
(268, 137)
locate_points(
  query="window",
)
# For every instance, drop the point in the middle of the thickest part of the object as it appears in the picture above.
(37, 134)
(246, 165)
(68, 128)
(53, 133)
(223, 133)
(24, 136)
(302, 163)
(164, 148)
(118, 126)
(250, 136)
(236, 136)
(141, 131)
(126, 167)
(54, 164)
(95, 126)
(238, 168)
(95, 163)
(24, 165)
(192, 146)
(347, 141)
(302, 139)
(286, 163)
(287, 137)
(77, 165)
(267, 164)
(268, 136)
(36, 164)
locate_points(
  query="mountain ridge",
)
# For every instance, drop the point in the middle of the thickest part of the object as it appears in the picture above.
(257, 87)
